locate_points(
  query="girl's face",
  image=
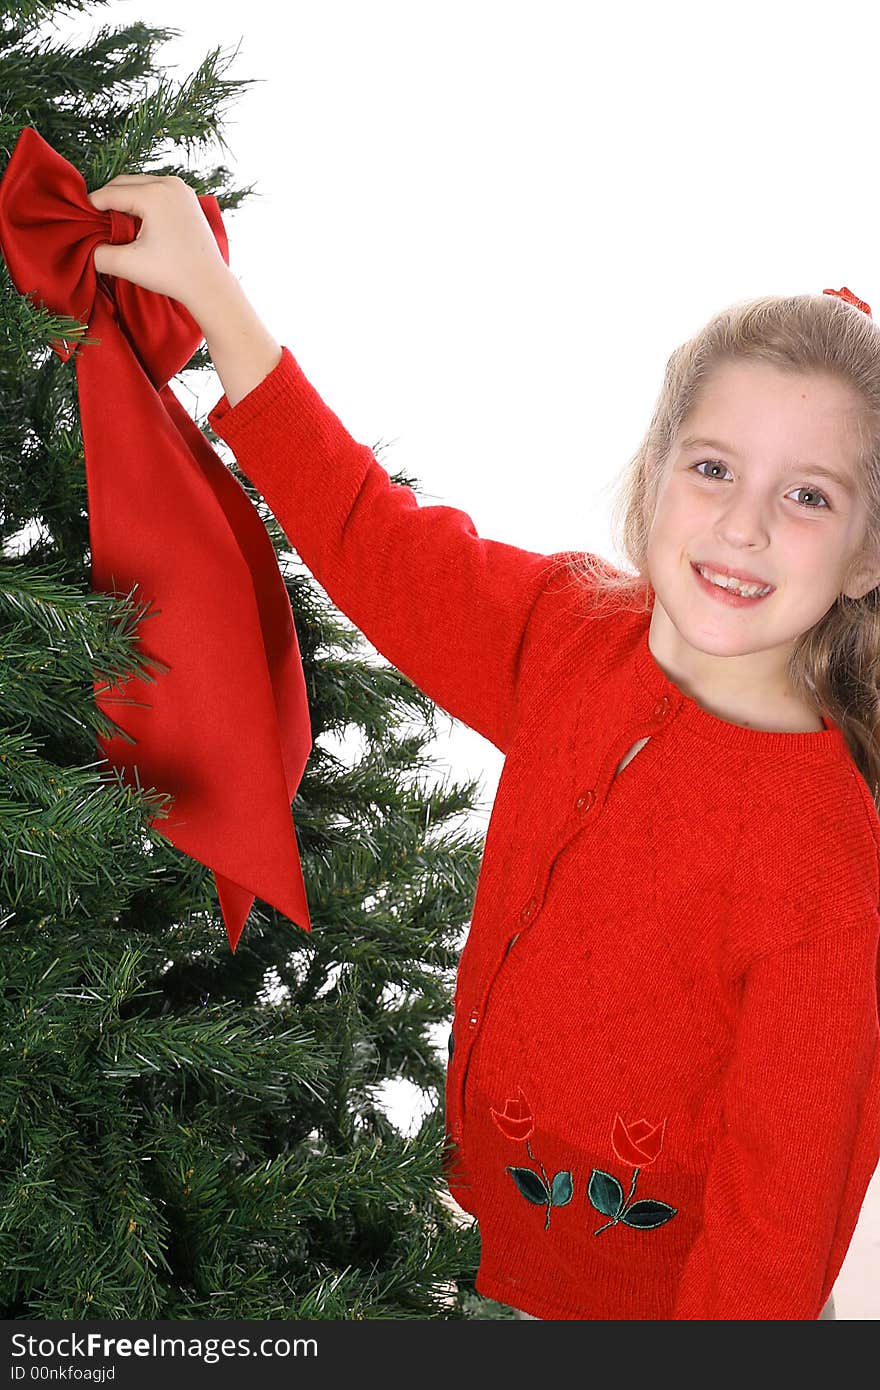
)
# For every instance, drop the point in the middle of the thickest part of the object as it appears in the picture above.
(756, 500)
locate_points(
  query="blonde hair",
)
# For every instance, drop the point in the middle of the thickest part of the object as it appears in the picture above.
(835, 666)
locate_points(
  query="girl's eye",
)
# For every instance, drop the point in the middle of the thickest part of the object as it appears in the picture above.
(716, 463)
(712, 463)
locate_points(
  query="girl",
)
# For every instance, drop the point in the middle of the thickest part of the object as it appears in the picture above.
(663, 1097)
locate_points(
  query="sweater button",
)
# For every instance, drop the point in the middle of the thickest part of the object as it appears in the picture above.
(472, 1021)
(529, 910)
(584, 802)
(661, 709)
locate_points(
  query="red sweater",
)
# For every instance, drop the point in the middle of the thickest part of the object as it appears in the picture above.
(664, 1075)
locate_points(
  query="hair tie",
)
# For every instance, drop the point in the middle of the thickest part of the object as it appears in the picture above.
(851, 299)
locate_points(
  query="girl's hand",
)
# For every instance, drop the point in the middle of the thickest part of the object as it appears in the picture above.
(175, 252)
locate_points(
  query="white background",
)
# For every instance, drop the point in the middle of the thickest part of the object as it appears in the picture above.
(482, 226)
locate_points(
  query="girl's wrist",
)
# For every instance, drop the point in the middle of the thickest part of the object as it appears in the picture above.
(216, 295)
(239, 344)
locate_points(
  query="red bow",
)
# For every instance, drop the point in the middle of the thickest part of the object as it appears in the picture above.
(226, 728)
(851, 299)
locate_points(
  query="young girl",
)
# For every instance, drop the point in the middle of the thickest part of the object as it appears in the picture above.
(663, 1096)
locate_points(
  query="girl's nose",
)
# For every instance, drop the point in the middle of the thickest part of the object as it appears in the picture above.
(741, 521)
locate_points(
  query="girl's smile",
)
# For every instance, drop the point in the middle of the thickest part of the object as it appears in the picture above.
(728, 595)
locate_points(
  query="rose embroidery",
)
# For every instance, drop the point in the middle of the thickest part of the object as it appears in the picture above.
(636, 1145)
(516, 1122)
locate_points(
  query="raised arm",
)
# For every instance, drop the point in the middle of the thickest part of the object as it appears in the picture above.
(454, 611)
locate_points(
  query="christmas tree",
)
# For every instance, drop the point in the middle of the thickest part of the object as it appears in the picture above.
(184, 1132)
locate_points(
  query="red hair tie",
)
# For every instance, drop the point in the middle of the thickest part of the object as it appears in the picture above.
(225, 728)
(851, 299)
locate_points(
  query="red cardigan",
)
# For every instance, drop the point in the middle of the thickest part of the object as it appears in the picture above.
(663, 1096)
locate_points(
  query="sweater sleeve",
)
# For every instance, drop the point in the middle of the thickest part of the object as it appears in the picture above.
(447, 607)
(800, 1128)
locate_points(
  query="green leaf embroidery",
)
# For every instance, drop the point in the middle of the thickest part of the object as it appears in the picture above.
(647, 1214)
(562, 1190)
(530, 1185)
(605, 1193)
(642, 1215)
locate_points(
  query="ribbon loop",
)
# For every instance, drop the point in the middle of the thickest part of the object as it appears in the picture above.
(52, 230)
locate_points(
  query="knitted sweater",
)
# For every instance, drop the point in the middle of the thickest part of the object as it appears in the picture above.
(663, 1094)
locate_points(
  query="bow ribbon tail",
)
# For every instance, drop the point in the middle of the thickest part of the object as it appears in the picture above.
(225, 726)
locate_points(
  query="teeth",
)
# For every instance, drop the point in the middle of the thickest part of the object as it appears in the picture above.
(725, 581)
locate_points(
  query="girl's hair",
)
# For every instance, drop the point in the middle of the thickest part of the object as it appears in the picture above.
(835, 666)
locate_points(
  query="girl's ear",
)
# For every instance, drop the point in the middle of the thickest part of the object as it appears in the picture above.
(864, 575)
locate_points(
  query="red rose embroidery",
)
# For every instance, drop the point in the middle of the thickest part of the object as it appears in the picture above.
(515, 1121)
(637, 1144)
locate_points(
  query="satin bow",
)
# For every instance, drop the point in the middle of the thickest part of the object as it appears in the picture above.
(225, 728)
(851, 299)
